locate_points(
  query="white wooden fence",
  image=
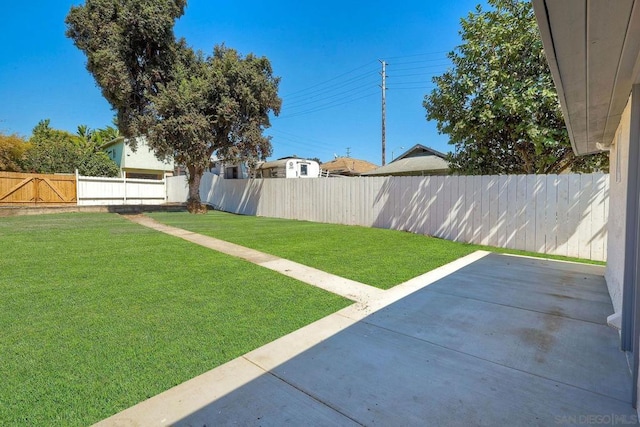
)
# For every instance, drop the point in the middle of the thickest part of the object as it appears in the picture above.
(120, 191)
(553, 214)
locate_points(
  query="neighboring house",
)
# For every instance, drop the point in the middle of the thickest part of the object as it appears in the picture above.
(346, 166)
(230, 170)
(288, 167)
(418, 160)
(593, 50)
(141, 163)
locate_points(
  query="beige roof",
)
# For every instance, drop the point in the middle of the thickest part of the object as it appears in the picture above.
(424, 165)
(348, 166)
(418, 160)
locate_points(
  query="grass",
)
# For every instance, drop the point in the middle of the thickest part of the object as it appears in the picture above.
(98, 313)
(377, 257)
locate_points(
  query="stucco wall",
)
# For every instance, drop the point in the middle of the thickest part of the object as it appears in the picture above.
(143, 159)
(619, 168)
(116, 153)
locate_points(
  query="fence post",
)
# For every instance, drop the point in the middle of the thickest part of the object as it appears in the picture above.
(77, 188)
(164, 183)
(124, 183)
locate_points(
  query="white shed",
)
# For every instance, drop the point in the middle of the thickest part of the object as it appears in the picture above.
(289, 168)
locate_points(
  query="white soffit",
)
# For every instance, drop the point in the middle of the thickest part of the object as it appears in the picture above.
(592, 47)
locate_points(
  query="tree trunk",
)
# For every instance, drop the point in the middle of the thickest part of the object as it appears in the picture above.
(194, 205)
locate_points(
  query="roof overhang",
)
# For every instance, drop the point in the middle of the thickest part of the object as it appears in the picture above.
(592, 47)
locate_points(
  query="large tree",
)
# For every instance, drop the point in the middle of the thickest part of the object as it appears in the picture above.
(186, 104)
(130, 48)
(498, 103)
(218, 103)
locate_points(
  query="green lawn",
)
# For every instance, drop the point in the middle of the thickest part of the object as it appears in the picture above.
(98, 313)
(377, 257)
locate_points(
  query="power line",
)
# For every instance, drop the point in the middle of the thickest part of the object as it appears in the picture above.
(414, 74)
(331, 79)
(300, 142)
(412, 82)
(395, 89)
(420, 62)
(419, 54)
(358, 90)
(331, 105)
(328, 90)
(322, 143)
(338, 91)
(427, 67)
(334, 86)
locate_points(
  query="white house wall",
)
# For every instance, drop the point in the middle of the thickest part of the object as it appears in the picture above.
(619, 172)
(143, 159)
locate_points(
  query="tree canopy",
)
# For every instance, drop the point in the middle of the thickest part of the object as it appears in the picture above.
(97, 137)
(498, 103)
(130, 48)
(57, 151)
(12, 152)
(187, 104)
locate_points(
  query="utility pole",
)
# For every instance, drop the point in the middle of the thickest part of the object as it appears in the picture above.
(384, 110)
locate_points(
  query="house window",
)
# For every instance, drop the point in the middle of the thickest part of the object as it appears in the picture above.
(133, 175)
(231, 172)
(303, 170)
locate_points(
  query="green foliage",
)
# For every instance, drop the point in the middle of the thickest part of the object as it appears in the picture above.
(498, 103)
(188, 105)
(97, 163)
(57, 151)
(97, 137)
(12, 151)
(130, 48)
(219, 103)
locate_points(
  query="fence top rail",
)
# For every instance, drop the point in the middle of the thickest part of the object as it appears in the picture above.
(129, 180)
(36, 175)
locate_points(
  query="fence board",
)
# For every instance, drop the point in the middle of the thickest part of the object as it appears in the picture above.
(564, 215)
(17, 189)
(469, 201)
(574, 215)
(455, 213)
(551, 209)
(562, 230)
(584, 227)
(598, 214)
(100, 191)
(494, 192)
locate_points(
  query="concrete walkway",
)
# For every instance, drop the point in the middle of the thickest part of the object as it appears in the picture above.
(486, 340)
(355, 291)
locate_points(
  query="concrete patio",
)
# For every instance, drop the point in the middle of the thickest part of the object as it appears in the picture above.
(493, 340)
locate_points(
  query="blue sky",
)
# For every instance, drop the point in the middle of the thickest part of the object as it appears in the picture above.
(326, 53)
